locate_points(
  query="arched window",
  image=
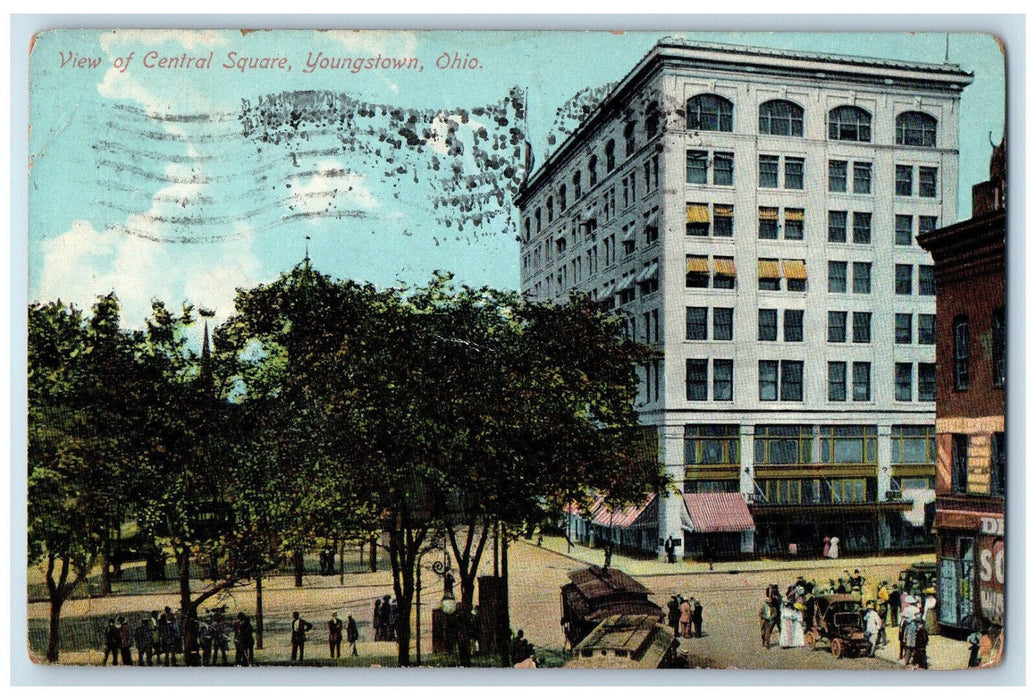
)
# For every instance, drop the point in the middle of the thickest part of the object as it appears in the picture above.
(550, 209)
(577, 184)
(563, 197)
(593, 170)
(528, 229)
(849, 124)
(609, 156)
(915, 129)
(780, 118)
(710, 113)
(629, 134)
(539, 227)
(651, 120)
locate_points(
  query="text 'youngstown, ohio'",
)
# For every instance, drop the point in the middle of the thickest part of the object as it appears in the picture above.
(320, 61)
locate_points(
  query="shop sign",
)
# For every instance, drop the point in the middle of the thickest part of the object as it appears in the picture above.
(991, 578)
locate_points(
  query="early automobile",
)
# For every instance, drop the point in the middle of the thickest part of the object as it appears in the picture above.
(837, 620)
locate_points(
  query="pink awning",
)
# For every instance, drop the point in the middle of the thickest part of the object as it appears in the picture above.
(718, 512)
(628, 517)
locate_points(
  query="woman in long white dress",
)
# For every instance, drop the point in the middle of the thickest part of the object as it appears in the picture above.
(833, 551)
(787, 624)
(798, 630)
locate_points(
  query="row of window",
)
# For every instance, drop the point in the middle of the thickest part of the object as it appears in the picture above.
(997, 464)
(782, 380)
(962, 351)
(793, 444)
(710, 112)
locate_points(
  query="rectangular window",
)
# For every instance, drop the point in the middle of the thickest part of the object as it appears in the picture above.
(697, 380)
(861, 326)
(793, 220)
(722, 380)
(791, 380)
(999, 348)
(768, 223)
(926, 280)
(926, 224)
(861, 381)
(849, 444)
(711, 444)
(913, 444)
(767, 380)
(861, 178)
(793, 325)
(723, 169)
(698, 167)
(904, 229)
(904, 180)
(861, 278)
(783, 444)
(960, 354)
(836, 274)
(767, 324)
(769, 274)
(769, 169)
(904, 279)
(836, 226)
(904, 381)
(697, 271)
(793, 173)
(836, 175)
(836, 381)
(836, 321)
(960, 464)
(722, 323)
(861, 227)
(904, 329)
(927, 181)
(926, 381)
(997, 465)
(724, 276)
(697, 322)
(926, 329)
(723, 220)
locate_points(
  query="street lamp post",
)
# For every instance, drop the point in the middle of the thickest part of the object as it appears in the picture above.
(441, 568)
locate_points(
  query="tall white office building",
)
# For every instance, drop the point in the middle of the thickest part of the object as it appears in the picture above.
(753, 213)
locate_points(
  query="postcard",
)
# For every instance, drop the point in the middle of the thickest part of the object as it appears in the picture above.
(519, 349)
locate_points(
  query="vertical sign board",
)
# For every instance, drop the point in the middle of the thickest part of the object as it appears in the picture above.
(991, 569)
(948, 591)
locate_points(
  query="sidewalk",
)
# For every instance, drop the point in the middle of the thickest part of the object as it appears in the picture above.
(944, 653)
(653, 567)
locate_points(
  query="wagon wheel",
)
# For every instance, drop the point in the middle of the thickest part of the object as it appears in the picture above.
(837, 648)
(811, 639)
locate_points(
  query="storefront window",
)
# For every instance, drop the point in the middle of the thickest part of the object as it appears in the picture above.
(712, 444)
(849, 444)
(913, 444)
(783, 444)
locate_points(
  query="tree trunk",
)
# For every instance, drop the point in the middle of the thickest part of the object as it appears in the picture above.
(505, 624)
(259, 611)
(467, 595)
(188, 630)
(54, 641)
(297, 557)
(106, 564)
(341, 562)
(373, 561)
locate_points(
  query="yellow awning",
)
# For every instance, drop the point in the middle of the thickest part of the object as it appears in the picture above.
(794, 269)
(698, 213)
(723, 266)
(767, 213)
(768, 270)
(697, 263)
(724, 209)
(794, 214)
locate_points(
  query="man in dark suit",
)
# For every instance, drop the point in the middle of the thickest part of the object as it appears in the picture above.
(299, 627)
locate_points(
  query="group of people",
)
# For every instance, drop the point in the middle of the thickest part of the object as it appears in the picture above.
(334, 634)
(386, 619)
(159, 639)
(327, 562)
(685, 616)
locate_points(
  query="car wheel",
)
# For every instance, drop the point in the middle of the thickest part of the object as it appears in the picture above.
(836, 648)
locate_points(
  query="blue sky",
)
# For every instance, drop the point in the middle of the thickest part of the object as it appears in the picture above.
(189, 204)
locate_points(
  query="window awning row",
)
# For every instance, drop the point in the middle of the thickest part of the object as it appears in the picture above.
(793, 269)
(649, 272)
(700, 264)
(699, 213)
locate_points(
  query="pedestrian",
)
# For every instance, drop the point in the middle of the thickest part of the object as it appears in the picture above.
(908, 639)
(205, 633)
(299, 627)
(686, 612)
(921, 646)
(111, 643)
(895, 605)
(376, 624)
(930, 614)
(170, 636)
(670, 550)
(352, 633)
(767, 620)
(674, 614)
(334, 636)
(239, 647)
(832, 551)
(155, 626)
(125, 642)
(974, 644)
(386, 626)
(247, 641)
(142, 637)
(393, 621)
(521, 649)
(872, 626)
(696, 617)
(220, 636)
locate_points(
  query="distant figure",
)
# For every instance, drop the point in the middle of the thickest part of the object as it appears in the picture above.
(205, 641)
(376, 623)
(895, 603)
(142, 637)
(352, 634)
(827, 547)
(111, 643)
(686, 612)
(299, 627)
(125, 642)
(393, 621)
(696, 616)
(921, 647)
(872, 627)
(334, 636)
(768, 616)
(247, 641)
(220, 637)
(522, 649)
(931, 605)
(670, 550)
(908, 632)
(974, 644)
(385, 619)
(674, 614)
(832, 551)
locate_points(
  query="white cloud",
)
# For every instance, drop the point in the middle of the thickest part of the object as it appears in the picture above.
(332, 188)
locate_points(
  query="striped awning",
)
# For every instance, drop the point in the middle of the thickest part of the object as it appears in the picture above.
(794, 269)
(723, 209)
(624, 284)
(717, 512)
(768, 270)
(794, 215)
(697, 263)
(698, 213)
(723, 266)
(652, 220)
(607, 290)
(627, 517)
(649, 272)
(630, 235)
(767, 213)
